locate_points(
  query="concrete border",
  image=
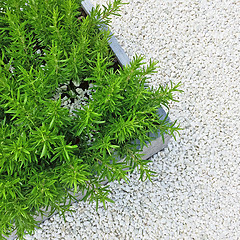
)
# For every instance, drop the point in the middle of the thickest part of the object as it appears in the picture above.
(117, 49)
(157, 144)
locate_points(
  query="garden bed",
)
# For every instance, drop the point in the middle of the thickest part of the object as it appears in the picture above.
(120, 60)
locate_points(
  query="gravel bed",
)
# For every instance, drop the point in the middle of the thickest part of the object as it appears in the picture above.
(196, 194)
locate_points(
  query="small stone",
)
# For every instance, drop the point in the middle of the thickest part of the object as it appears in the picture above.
(69, 219)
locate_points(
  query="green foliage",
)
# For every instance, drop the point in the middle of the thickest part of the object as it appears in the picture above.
(45, 150)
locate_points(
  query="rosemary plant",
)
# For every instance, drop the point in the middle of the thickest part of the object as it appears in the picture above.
(45, 150)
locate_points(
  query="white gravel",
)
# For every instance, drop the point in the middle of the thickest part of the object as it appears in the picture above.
(197, 192)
